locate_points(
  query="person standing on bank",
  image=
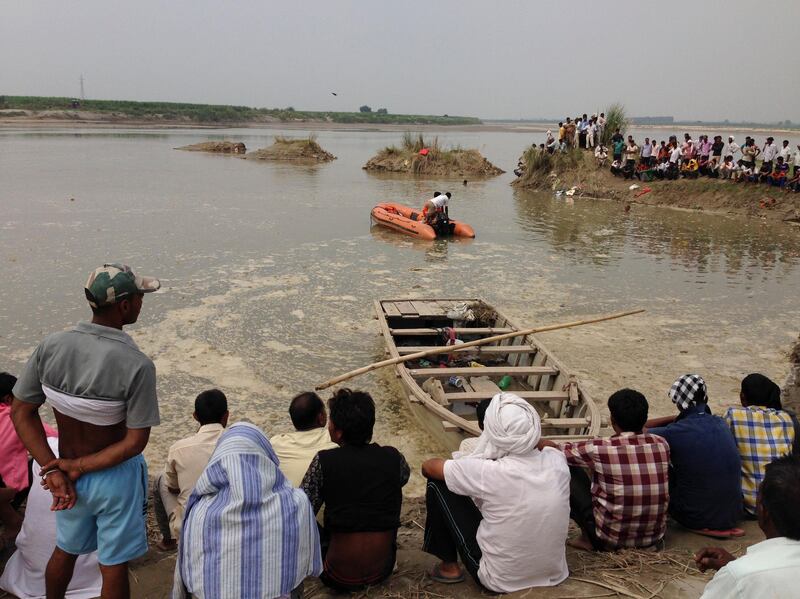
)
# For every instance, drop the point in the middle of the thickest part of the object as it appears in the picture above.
(102, 389)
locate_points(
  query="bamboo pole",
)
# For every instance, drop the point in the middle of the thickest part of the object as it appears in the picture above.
(449, 348)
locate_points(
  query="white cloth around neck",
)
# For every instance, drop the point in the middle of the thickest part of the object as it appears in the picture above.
(511, 427)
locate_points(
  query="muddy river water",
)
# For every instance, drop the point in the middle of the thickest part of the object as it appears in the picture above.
(270, 270)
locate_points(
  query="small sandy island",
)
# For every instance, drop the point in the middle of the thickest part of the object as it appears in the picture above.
(301, 150)
(578, 169)
(417, 156)
(217, 147)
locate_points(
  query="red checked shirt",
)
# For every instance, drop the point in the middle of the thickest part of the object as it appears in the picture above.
(630, 491)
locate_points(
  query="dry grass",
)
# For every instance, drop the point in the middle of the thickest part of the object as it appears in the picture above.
(439, 160)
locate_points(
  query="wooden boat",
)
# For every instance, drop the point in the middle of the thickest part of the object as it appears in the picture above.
(409, 221)
(446, 406)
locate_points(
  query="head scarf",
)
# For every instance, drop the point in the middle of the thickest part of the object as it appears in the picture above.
(511, 426)
(685, 392)
(246, 531)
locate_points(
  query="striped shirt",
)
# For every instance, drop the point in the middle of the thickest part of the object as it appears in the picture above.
(630, 491)
(762, 434)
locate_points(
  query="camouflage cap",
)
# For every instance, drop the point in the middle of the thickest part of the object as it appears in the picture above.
(114, 282)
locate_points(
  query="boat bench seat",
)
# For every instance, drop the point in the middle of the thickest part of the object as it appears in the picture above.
(486, 371)
(529, 395)
(546, 423)
(475, 349)
(458, 331)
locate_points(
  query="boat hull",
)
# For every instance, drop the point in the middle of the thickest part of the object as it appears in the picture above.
(408, 221)
(445, 406)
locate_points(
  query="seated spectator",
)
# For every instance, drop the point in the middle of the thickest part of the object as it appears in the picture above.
(769, 568)
(765, 173)
(763, 432)
(625, 502)
(15, 468)
(601, 155)
(186, 461)
(296, 450)
(360, 484)
(727, 169)
(247, 532)
(705, 475)
(690, 168)
(503, 508)
(778, 176)
(616, 168)
(25, 570)
(793, 184)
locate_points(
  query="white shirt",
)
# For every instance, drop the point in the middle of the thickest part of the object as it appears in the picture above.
(797, 157)
(524, 501)
(733, 147)
(186, 461)
(440, 201)
(770, 569)
(675, 155)
(785, 153)
(770, 151)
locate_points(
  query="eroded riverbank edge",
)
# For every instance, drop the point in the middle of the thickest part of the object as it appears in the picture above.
(580, 173)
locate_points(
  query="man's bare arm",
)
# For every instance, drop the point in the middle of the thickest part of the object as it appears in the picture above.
(433, 469)
(132, 444)
(28, 424)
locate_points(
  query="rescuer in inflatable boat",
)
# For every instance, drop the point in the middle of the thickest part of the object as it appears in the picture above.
(435, 212)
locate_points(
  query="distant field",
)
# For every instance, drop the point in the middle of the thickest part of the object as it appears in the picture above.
(218, 113)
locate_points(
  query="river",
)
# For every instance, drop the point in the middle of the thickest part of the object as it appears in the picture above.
(270, 270)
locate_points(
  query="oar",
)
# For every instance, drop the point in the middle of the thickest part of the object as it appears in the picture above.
(449, 348)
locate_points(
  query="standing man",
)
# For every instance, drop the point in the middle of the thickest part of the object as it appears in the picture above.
(733, 147)
(631, 152)
(102, 389)
(770, 151)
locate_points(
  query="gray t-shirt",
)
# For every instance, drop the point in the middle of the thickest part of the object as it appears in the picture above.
(94, 362)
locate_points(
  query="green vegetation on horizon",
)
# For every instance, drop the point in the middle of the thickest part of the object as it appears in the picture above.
(216, 113)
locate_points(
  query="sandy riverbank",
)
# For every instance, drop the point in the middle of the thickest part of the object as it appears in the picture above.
(668, 574)
(579, 170)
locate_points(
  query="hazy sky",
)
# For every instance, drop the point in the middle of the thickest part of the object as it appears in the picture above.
(713, 60)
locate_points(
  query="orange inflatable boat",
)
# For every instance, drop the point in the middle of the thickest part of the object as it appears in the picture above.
(410, 221)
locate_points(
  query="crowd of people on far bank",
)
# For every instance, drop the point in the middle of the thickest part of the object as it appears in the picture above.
(245, 512)
(769, 163)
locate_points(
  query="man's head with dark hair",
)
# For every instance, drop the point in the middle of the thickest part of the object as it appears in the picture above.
(7, 382)
(211, 407)
(778, 498)
(759, 390)
(628, 411)
(352, 417)
(307, 411)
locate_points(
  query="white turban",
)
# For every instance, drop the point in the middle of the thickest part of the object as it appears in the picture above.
(511, 427)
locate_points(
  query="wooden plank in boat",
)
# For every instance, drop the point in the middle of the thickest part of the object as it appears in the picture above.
(480, 349)
(459, 331)
(406, 308)
(485, 371)
(565, 422)
(426, 308)
(390, 309)
(529, 395)
(450, 427)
